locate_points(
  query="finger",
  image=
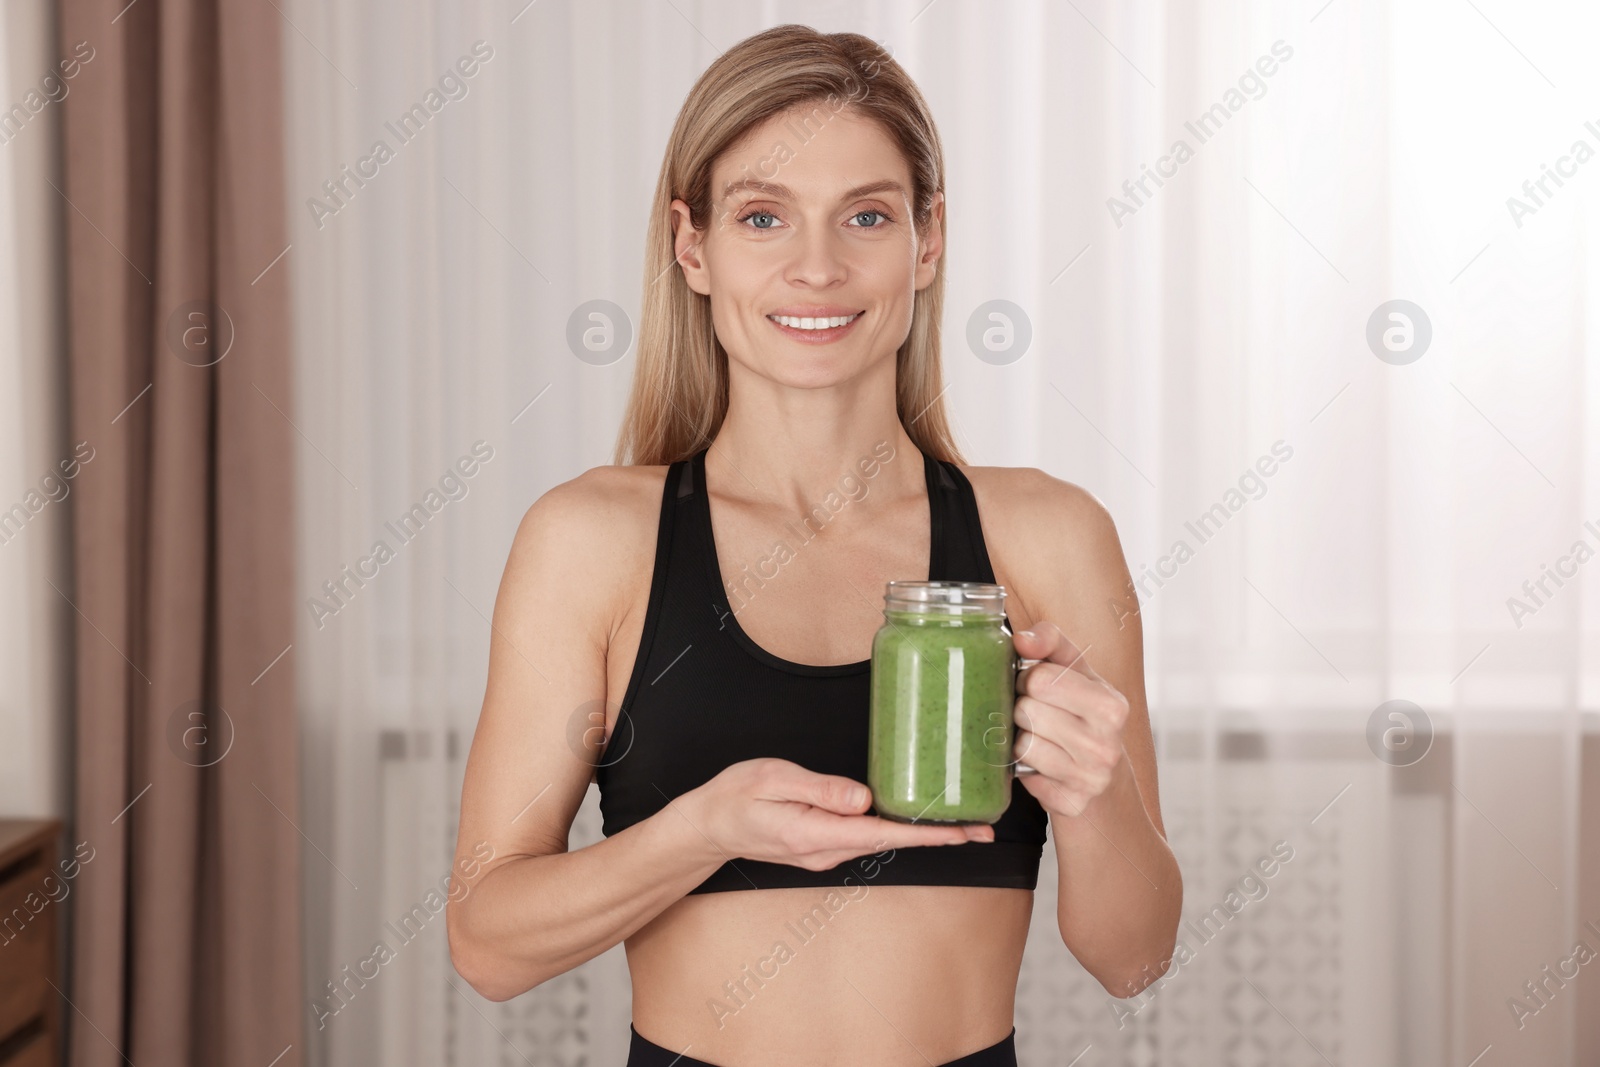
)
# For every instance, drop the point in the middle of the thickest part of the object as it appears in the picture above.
(926, 833)
(833, 858)
(1076, 783)
(831, 792)
(1100, 710)
(1044, 755)
(1066, 766)
(1087, 743)
(963, 832)
(1067, 689)
(1054, 796)
(1045, 641)
(869, 833)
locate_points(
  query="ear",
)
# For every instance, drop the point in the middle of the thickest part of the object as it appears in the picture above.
(686, 245)
(930, 244)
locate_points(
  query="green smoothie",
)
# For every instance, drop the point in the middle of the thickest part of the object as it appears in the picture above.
(941, 727)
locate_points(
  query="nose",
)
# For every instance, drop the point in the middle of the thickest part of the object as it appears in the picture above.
(818, 259)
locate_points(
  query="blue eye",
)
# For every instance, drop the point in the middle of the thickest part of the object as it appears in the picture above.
(875, 219)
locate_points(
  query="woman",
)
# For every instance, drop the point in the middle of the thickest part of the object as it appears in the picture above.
(786, 429)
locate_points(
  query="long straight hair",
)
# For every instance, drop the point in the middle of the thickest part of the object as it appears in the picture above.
(680, 379)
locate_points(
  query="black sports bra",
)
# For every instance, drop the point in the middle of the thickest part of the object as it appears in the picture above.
(703, 696)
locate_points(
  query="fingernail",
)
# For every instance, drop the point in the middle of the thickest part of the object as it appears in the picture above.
(1029, 634)
(858, 796)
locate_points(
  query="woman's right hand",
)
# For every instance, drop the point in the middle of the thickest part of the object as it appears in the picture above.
(778, 811)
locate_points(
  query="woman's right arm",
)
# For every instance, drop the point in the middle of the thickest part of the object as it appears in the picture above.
(521, 908)
(534, 910)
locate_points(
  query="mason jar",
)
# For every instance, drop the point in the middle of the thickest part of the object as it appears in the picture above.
(943, 686)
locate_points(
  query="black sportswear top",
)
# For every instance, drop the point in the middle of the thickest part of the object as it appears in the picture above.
(703, 696)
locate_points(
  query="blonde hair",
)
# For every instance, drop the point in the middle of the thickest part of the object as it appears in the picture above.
(680, 379)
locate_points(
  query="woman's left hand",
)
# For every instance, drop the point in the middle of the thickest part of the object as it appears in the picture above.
(1068, 722)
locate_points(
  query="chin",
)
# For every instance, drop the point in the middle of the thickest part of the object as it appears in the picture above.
(811, 370)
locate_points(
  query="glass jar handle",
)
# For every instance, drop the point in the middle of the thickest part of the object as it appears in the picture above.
(1019, 664)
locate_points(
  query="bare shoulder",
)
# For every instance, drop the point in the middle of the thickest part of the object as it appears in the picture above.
(590, 517)
(591, 534)
(599, 499)
(1051, 541)
(1034, 507)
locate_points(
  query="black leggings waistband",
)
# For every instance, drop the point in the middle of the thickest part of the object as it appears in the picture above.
(642, 1052)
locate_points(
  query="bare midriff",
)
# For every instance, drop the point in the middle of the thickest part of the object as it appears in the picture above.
(890, 975)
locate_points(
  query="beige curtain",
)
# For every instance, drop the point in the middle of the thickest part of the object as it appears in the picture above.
(186, 935)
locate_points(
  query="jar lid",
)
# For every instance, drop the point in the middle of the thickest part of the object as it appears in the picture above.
(945, 598)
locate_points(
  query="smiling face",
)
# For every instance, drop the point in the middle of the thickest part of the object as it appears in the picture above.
(812, 260)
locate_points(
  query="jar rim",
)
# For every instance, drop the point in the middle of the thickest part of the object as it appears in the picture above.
(946, 597)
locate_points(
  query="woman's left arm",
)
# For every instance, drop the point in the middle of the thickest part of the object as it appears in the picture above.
(1083, 725)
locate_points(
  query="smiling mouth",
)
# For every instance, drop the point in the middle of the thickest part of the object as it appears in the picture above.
(814, 325)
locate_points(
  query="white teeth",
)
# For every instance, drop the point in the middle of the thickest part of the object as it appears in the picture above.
(812, 323)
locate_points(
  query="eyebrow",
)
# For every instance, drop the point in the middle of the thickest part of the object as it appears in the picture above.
(783, 192)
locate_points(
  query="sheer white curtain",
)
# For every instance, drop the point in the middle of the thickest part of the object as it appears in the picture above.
(1319, 523)
(36, 630)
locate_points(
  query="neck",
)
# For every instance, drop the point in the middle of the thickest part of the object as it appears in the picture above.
(790, 447)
